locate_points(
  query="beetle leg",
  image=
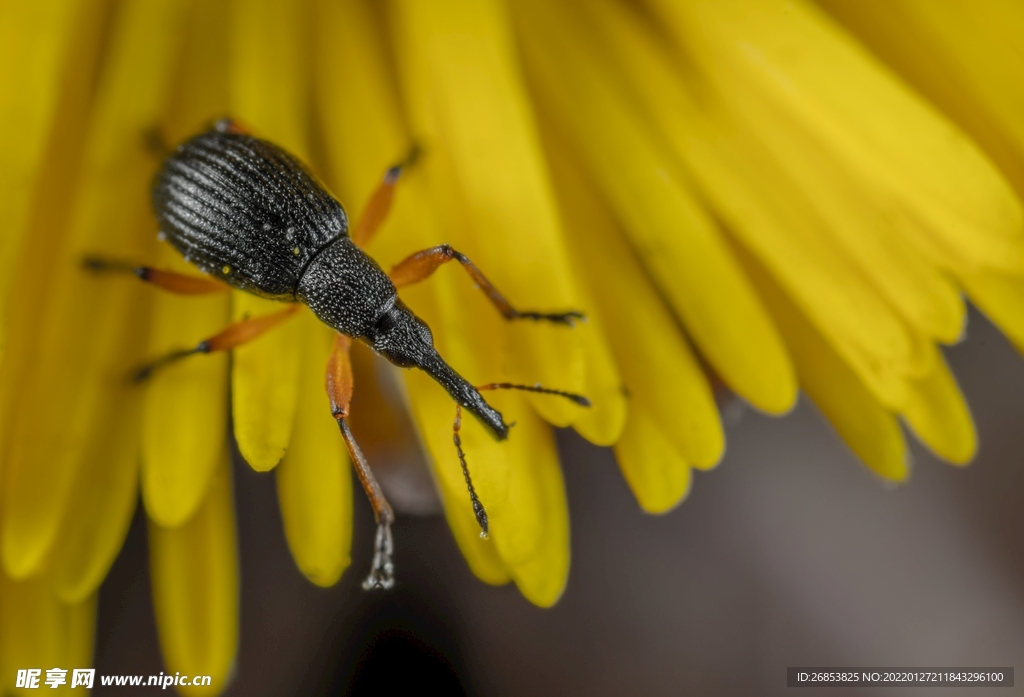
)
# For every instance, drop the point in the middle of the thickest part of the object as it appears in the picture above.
(339, 390)
(230, 337)
(379, 205)
(421, 265)
(171, 281)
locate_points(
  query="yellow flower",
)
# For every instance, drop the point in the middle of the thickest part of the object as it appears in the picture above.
(737, 187)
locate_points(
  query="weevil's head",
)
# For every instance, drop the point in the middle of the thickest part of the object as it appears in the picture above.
(405, 340)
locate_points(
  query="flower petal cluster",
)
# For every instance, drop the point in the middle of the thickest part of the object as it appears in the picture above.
(770, 195)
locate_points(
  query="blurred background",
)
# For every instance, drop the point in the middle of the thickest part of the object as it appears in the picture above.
(789, 553)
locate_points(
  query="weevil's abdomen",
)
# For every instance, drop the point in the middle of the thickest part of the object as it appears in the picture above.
(245, 211)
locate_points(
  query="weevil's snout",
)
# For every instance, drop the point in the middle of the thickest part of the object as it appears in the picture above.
(405, 340)
(466, 395)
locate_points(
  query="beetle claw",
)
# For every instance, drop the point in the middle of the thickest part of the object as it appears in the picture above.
(382, 572)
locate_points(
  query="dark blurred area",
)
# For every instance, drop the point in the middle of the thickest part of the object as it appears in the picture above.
(789, 553)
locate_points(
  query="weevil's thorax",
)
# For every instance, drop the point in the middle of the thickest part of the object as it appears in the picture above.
(245, 211)
(347, 290)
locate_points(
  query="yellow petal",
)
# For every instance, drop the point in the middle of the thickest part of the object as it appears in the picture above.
(185, 409)
(965, 58)
(466, 97)
(195, 587)
(678, 242)
(662, 376)
(361, 143)
(269, 56)
(33, 276)
(939, 417)
(530, 527)
(603, 422)
(899, 147)
(99, 511)
(33, 37)
(202, 92)
(776, 225)
(269, 69)
(314, 483)
(832, 210)
(649, 455)
(835, 211)
(40, 632)
(88, 330)
(1001, 298)
(81, 631)
(868, 428)
(655, 469)
(184, 415)
(814, 226)
(351, 69)
(264, 380)
(520, 485)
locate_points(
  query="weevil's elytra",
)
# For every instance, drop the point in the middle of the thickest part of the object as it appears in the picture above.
(249, 214)
(226, 199)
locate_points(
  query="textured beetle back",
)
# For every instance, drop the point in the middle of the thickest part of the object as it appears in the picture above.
(245, 211)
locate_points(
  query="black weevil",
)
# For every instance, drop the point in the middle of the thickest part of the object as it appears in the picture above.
(251, 215)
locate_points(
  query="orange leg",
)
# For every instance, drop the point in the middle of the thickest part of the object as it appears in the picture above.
(339, 391)
(379, 205)
(171, 281)
(478, 507)
(230, 337)
(421, 265)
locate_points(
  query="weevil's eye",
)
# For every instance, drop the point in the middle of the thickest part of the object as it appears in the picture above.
(402, 337)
